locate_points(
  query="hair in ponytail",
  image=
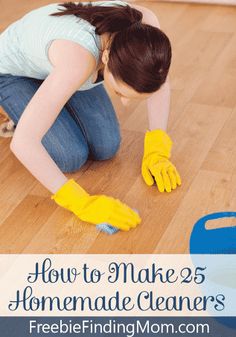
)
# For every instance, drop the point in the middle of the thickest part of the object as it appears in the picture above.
(139, 54)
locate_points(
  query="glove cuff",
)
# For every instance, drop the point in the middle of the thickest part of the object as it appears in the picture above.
(157, 141)
(68, 194)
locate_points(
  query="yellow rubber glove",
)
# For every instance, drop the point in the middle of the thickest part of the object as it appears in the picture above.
(97, 208)
(156, 166)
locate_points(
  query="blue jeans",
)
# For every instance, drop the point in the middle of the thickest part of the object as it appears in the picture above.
(86, 127)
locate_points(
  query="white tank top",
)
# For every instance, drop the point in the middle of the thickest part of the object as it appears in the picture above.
(24, 44)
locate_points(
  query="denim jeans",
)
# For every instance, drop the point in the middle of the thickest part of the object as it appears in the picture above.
(87, 125)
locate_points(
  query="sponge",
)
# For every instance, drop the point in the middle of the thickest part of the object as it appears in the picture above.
(106, 228)
(109, 229)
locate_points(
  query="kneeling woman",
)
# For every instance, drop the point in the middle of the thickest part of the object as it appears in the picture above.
(52, 65)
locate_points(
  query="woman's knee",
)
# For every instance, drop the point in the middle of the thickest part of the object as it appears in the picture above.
(70, 162)
(68, 159)
(107, 147)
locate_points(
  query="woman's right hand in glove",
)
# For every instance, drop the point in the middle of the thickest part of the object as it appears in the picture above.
(95, 209)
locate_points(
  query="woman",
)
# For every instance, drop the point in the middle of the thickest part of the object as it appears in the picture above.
(49, 60)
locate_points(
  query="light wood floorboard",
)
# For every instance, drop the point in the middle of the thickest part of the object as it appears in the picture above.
(202, 125)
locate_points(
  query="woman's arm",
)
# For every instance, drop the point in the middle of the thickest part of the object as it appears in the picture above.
(72, 68)
(156, 166)
(158, 105)
(43, 109)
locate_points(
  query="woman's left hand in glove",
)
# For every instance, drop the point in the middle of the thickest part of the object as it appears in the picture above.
(156, 166)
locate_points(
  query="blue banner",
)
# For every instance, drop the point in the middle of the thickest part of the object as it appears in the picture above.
(118, 326)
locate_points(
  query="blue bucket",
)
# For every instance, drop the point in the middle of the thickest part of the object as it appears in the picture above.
(215, 241)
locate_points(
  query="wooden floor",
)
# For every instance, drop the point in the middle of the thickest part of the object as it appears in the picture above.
(202, 125)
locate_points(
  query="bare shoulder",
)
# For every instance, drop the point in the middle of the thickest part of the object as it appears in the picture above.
(149, 17)
(65, 52)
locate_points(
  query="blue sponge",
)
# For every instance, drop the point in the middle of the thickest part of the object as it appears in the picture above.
(107, 228)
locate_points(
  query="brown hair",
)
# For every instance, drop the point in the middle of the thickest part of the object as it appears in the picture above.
(139, 54)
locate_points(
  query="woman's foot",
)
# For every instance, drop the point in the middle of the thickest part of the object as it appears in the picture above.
(7, 129)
